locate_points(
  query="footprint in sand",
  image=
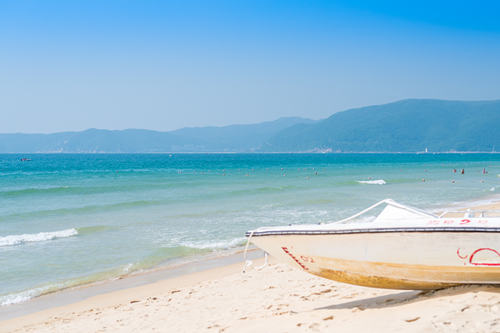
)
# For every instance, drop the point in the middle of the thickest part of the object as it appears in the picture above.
(412, 320)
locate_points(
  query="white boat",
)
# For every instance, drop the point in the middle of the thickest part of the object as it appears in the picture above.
(402, 248)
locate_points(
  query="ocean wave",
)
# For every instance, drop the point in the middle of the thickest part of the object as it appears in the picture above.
(24, 296)
(263, 190)
(161, 255)
(225, 244)
(85, 190)
(39, 237)
(83, 209)
(34, 190)
(93, 229)
(373, 182)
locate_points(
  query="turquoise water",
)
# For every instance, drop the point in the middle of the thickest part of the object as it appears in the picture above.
(71, 219)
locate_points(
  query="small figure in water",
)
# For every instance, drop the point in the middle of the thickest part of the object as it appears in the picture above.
(463, 171)
(454, 170)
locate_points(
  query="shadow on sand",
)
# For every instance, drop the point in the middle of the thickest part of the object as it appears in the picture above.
(408, 297)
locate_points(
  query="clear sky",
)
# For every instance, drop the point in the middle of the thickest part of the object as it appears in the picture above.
(72, 65)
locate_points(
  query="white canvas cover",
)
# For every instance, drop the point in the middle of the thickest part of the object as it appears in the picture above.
(391, 212)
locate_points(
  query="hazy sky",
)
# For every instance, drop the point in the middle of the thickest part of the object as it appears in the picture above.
(72, 65)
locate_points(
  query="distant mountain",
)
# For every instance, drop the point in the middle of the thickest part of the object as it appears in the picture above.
(405, 126)
(234, 138)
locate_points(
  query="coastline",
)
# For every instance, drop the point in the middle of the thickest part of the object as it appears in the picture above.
(277, 298)
(171, 269)
(216, 296)
(82, 292)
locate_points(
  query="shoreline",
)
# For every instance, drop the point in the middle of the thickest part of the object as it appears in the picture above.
(176, 267)
(276, 298)
(158, 273)
(122, 295)
(172, 269)
(215, 296)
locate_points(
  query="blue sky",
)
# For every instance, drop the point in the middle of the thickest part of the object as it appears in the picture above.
(72, 65)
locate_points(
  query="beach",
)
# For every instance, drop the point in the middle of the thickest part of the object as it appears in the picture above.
(270, 297)
(68, 220)
(276, 298)
(145, 243)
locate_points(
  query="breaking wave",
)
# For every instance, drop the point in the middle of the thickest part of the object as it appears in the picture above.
(39, 237)
(20, 297)
(227, 244)
(373, 182)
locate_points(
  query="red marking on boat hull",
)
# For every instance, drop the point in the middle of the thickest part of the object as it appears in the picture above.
(484, 263)
(461, 257)
(285, 249)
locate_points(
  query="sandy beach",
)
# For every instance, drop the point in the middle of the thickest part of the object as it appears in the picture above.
(274, 298)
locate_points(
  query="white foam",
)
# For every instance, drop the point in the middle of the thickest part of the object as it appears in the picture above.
(17, 298)
(127, 268)
(39, 237)
(216, 245)
(373, 182)
(23, 296)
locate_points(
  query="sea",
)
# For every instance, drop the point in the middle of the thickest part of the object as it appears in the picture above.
(72, 219)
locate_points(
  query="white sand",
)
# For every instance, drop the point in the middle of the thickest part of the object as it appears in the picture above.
(277, 298)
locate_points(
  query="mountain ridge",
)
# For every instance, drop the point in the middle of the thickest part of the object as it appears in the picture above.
(409, 125)
(239, 137)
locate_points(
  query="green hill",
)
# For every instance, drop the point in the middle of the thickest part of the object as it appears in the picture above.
(404, 126)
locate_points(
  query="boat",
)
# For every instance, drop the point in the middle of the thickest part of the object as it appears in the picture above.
(401, 248)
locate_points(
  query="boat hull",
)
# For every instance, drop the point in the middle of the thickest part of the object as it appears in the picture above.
(394, 260)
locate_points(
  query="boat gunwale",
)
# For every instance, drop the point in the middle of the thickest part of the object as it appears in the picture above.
(256, 233)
